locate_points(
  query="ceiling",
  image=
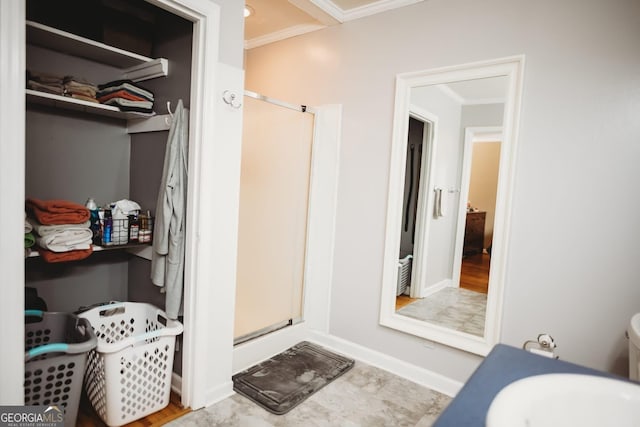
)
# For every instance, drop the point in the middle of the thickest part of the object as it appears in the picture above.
(274, 20)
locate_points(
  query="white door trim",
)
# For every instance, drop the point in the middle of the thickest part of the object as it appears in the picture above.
(471, 136)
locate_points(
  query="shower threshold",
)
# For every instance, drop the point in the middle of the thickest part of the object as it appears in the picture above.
(265, 331)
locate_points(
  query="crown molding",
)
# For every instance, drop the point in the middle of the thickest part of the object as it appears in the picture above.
(342, 15)
(281, 35)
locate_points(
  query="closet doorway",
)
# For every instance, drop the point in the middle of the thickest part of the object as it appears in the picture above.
(274, 198)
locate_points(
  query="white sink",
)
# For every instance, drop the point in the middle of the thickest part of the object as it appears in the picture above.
(566, 400)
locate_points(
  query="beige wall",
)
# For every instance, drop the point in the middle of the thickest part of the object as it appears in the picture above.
(484, 181)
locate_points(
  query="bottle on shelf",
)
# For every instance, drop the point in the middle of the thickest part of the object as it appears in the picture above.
(134, 228)
(95, 221)
(107, 228)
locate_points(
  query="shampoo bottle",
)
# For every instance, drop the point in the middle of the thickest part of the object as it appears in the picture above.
(108, 227)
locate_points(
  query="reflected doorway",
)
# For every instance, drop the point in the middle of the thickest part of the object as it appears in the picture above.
(468, 290)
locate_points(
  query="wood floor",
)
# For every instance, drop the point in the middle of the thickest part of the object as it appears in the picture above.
(88, 418)
(474, 276)
(475, 273)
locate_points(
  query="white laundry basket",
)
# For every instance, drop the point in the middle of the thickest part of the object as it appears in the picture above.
(404, 274)
(128, 375)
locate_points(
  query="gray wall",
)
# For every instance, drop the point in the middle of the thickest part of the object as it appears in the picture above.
(572, 268)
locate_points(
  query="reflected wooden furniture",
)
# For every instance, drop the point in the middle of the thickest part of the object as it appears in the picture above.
(474, 233)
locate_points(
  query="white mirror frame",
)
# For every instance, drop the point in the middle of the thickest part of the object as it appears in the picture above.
(512, 68)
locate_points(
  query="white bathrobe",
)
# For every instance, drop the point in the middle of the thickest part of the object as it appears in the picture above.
(167, 262)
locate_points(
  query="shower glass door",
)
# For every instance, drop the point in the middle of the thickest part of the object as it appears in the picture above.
(274, 194)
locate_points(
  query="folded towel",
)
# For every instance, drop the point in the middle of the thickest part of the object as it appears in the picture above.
(50, 212)
(27, 225)
(45, 230)
(29, 240)
(68, 240)
(49, 256)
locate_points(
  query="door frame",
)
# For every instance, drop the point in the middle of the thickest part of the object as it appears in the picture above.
(425, 199)
(472, 135)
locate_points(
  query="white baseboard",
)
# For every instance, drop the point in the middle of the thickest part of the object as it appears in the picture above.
(416, 374)
(259, 349)
(176, 383)
(217, 394)
(446, 283)
(213, 396)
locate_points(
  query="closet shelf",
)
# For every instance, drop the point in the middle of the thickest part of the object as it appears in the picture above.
(139, 250)
(133, 66)
(67, 103)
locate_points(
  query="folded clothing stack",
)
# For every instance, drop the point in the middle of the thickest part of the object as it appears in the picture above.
(80, 89)
(61, 228)
(126, 95)
(70, 86)
(43, 82)
(29, 238)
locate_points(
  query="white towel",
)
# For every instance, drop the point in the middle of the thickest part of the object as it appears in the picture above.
(27, 225)
(439, 203)
(66, 240)
(46, 230)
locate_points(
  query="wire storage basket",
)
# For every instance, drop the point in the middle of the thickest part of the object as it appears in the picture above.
(56, 349)
(128, 375)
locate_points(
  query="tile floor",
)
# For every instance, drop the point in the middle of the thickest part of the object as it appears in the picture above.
(364, 396)
(456, 308)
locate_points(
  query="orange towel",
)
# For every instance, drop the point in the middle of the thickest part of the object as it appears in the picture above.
(76, 255)
(54, 212)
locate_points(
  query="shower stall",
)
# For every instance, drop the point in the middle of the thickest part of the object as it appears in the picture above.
(274, 198)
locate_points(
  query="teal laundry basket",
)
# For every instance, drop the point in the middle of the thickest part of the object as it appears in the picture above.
(56, 348)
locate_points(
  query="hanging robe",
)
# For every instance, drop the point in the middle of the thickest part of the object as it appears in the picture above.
(167, 261)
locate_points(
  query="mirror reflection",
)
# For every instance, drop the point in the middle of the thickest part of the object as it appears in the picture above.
(448, 210)
(457, 168)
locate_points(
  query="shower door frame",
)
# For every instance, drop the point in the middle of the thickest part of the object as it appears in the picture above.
(291, 320)
(319, 247)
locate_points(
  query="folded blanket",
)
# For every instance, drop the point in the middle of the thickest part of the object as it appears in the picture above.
(65, 241)
(49, 256)
(50, 212)
(29, 240)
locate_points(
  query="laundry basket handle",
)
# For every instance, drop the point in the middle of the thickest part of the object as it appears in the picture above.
(83, 326)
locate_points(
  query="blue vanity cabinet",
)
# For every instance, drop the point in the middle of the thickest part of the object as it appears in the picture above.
(502, 366)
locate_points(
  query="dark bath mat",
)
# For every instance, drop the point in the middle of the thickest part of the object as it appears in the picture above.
(282, 382)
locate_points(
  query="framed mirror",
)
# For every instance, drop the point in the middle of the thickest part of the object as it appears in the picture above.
(449, 202)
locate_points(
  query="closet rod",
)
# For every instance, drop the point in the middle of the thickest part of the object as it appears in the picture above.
(302, 108)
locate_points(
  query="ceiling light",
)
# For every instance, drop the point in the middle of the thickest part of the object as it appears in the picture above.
(248, 11)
